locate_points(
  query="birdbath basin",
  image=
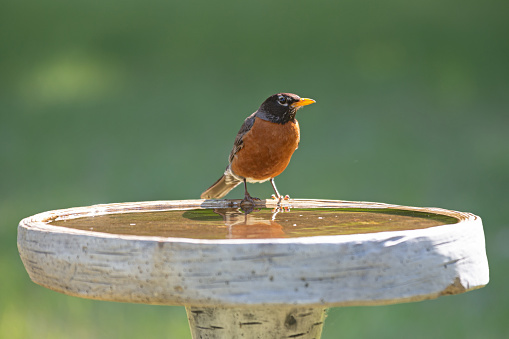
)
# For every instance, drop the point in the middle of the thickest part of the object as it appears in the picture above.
(271, 273)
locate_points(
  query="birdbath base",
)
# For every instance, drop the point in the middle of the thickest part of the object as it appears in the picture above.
(266, 274)
(256, 322)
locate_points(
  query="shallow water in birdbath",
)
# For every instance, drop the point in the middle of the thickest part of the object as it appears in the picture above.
(232, 223)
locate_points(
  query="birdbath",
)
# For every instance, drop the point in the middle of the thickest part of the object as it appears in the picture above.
(271, 273)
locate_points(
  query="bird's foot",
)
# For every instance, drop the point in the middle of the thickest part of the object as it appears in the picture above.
(248, 208)
(282, 209)
(249, 199)
(280, 198)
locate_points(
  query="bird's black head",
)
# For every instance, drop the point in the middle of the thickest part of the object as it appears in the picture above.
(282, 107)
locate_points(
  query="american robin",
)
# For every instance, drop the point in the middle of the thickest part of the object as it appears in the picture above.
(263, 147)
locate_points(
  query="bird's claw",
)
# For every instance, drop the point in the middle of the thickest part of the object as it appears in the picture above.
(249, 199)
(248, 208)
(281, 209)
(286, 197)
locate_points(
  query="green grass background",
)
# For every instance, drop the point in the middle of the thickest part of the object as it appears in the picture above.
(112, 101)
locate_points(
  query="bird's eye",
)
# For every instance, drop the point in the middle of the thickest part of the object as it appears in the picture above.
(282, 100)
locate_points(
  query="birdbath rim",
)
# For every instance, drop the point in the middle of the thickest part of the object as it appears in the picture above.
(338, 270)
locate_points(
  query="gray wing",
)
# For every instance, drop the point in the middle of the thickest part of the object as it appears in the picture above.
(246, 126)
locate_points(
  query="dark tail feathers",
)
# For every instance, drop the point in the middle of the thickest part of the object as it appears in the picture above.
(221, 187)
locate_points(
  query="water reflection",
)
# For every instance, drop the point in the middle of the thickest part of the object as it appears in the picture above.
(250, 224)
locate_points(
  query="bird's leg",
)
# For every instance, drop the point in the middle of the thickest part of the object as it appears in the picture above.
(247, 197)
(277, 196)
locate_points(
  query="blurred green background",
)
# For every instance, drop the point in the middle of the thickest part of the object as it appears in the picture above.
(112, 101)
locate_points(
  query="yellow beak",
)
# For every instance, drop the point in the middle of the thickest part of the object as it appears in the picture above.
(303, 102)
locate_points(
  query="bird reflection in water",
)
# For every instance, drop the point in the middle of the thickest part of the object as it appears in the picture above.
(248, 224)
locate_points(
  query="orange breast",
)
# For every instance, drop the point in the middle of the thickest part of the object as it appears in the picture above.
(267, 150)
